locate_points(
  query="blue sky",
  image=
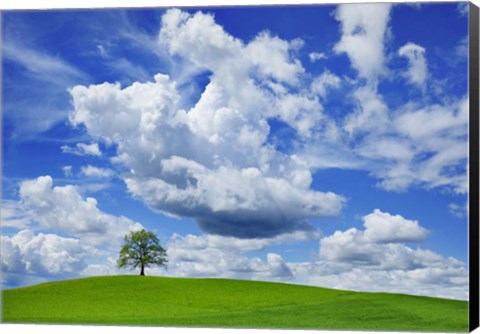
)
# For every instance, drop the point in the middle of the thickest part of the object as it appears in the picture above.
(323, 145)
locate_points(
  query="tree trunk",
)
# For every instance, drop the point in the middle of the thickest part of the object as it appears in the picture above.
(142, 272)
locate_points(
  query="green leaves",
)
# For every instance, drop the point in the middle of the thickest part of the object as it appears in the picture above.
(141, 249)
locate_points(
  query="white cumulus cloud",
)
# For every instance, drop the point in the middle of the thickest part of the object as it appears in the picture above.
(62, 209)
(32, 258)
(215, 256)
(383, 227)
(213, 162)
(58, 233)
(377, 259)
(373, 259)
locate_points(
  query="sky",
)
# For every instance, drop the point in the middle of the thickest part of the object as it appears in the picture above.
(321, 145)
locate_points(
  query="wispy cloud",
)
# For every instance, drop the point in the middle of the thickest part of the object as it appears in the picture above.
(45, 67)
(37, 84)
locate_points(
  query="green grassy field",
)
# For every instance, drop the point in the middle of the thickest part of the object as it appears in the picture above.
(136, 300)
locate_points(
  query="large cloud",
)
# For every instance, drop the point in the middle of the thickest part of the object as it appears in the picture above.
(213, 162)
(241, 203)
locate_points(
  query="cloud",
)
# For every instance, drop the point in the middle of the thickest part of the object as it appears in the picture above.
(364, 28)
(47, 253)
(461, 50)
(37, 76)
(377, 259)
(325, 82)
(83, 149)
(371, 116)
(182, 161)
(213, 256)
(417, 73)
(463, 8)
(41, 64)
(303, 113)
(459, 211)
(67, 170)
(271, 55)
(240, 203)
(373, 259)
(98, 172)
(59, 233)
(214, 163)
(383, 227)
(421, 145)
(216, 256)
(433, 121)
(417, 144)
(439, 133)
(42, 256)
(377, 244)
(14, 214)
(109, 266)
(448, 279)
(63, 209)
(122, 65)
(315, 56)
(238, 244)
(387, 148)
(34, 81)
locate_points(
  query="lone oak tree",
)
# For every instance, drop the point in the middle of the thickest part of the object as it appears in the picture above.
(141, 249)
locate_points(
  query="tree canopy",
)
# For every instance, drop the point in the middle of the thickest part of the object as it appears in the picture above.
(141, 249)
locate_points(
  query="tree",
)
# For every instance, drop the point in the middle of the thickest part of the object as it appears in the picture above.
(141, 249)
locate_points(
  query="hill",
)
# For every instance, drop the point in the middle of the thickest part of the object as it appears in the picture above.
(136, 300)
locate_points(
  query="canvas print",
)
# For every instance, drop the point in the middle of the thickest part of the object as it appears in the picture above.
(298, 167)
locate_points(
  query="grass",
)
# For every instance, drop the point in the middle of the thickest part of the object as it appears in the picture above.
(136, 300)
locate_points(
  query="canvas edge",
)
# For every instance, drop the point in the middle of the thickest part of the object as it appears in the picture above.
(474, 166)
